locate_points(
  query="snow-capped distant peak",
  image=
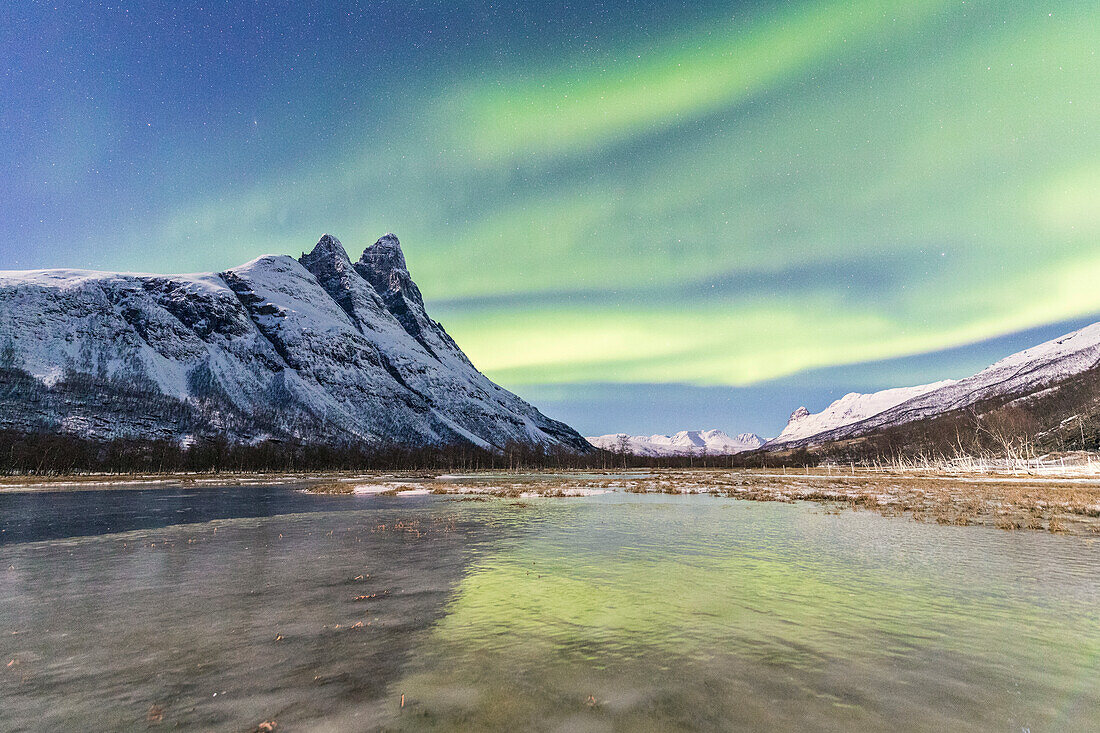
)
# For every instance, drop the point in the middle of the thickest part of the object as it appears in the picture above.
(799, 415)
(685, 442)
(1018, 374)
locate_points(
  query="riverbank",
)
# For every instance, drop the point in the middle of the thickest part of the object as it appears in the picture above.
(1061, 503)
(1053, 503)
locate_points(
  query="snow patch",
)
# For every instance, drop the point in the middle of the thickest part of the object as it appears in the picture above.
(377, 488)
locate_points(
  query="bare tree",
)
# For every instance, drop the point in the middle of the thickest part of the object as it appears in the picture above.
(623, 447)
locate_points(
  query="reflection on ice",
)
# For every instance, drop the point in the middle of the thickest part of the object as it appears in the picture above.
(619, 612)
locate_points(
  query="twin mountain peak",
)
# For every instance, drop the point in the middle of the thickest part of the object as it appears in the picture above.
(318, 350)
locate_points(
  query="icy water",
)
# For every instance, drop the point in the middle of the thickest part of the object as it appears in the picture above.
(220, 609)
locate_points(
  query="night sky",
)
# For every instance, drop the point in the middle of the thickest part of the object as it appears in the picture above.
(641, 216)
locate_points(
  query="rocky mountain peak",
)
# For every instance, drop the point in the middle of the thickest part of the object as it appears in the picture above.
(799, 414)
(383, 266)
(330, 264)
(385, 255)
(327, 250)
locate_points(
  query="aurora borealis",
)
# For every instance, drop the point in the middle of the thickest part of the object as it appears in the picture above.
(641, 216)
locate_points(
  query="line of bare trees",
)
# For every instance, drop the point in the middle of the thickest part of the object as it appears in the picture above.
(49, 453)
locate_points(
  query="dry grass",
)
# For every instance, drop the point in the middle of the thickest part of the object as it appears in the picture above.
(1056, 504)
(332, 487)
(1068, 504)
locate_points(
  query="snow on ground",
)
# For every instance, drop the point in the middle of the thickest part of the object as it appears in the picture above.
(573, 491)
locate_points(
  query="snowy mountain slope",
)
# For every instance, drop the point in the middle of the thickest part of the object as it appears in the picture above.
(685, 442)
(315, 350)
(851, 408)
(1020, 374)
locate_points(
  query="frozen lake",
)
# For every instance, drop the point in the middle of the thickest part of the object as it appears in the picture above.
(222, 608)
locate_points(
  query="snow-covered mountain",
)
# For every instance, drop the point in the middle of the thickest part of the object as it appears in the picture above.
(313, 350)
(1025, 373)
(851, 408)
(685, 442)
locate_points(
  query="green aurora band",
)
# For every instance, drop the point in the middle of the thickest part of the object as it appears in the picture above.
(820, 184)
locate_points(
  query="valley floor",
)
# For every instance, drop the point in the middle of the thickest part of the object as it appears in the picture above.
(1066, 502)
(1069, 504)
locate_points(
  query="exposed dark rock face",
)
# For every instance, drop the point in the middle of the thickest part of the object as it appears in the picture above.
(383, 266)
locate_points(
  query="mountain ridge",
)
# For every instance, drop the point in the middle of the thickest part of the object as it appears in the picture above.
(851, 408)
(304, 350)
(686, 442)
(1017, 377)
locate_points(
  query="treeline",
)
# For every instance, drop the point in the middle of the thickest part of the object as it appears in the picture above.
(1063, 417)
(58, 454)
(46, 453)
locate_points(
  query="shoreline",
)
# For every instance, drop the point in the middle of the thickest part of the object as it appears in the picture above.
(1068, 503)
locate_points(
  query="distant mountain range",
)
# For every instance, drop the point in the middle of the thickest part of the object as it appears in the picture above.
(683, 443)
(315, 350)
(321, 350)
(1047, 395)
